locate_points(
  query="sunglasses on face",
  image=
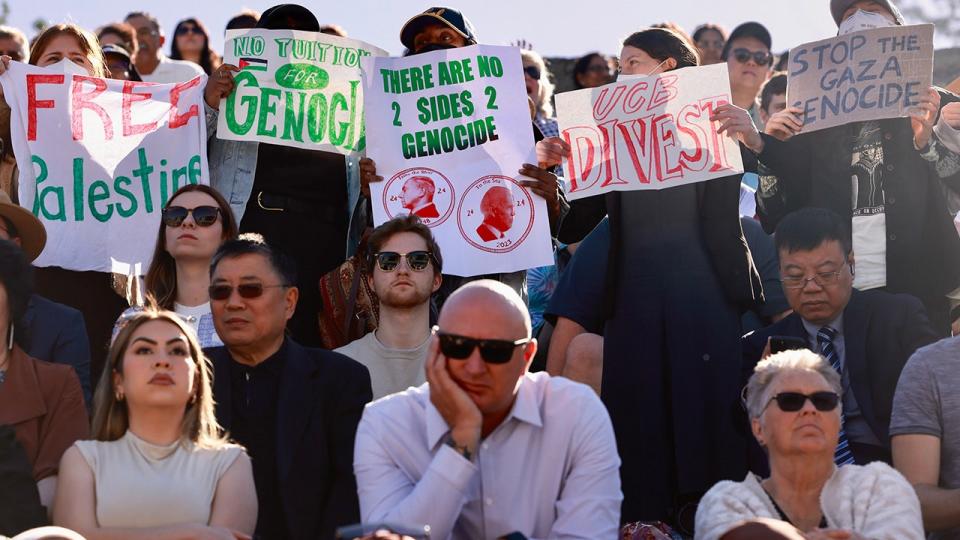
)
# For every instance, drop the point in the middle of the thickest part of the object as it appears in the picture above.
(493, 351)
(203, 216)
(533, 72)
(245, 290)
(416, 260)
(761, 58)
(184, 30)
(793, 401)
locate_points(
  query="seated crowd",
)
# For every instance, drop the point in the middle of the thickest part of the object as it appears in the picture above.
(764, 355)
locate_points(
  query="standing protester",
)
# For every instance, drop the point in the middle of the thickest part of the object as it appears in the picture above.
(883, 176)
(450, 454)
(275, 189)
(441, 28)
(867, 336)
(747, 54)
(153, 65)
(191, 42)
(536, 77)
(42, 401)
(247, 18)
(120, 34)
(591, 71)
(679, 274)
(13, 43)
(710, 40)
(295, 409)
(404, 270)
(51, 331)
(119, 63)
(90, 292)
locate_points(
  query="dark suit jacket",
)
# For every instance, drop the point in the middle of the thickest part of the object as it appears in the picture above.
(880, 332)
(322, 395)
(56, 333)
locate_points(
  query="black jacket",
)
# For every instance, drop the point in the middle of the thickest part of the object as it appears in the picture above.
(880, 332)
(923, 249)
(57, 333)
(322, 395)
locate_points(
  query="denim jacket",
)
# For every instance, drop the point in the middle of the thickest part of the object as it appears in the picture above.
(233, 165)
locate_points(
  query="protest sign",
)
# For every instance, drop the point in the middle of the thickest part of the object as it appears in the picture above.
(651, 132)
(448, 131)
(295, 88)
(865, 75)
(99, 158)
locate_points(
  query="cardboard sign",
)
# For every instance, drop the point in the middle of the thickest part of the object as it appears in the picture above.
(295, 88)
(99, 158)
(865, 75)
(449, 131)
(643, 133)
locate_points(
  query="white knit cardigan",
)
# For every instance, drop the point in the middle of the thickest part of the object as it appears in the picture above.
(874, 501)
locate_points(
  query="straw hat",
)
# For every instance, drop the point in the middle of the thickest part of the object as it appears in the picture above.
(29, 229)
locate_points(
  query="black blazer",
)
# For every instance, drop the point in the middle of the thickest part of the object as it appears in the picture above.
(880, 332)
(322, 395)
(57, 333)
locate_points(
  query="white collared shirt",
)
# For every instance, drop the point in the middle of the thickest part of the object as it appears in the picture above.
(173, 71)
(550, 470)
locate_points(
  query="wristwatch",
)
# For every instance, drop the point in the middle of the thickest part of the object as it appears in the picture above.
(462, 450)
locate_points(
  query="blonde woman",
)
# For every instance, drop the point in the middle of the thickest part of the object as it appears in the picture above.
(158, 467)
(540, 90)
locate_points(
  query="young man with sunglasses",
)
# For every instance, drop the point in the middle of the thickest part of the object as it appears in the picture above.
(485, 449)
(404, 270)
(151, 63)
(295, 409)
(748, 57)
(867, 336)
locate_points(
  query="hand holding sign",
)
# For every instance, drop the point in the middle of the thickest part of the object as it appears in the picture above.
(219, 85)
(736, 123)
(924, 116)
(784, 124)
(551, 151)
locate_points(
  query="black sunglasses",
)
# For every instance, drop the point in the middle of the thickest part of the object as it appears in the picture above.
(245, 290)
(761, 58)
(203, 216)
(184, 30)
(416, 260)
(793, 401)
(533, 72)
(493, 351)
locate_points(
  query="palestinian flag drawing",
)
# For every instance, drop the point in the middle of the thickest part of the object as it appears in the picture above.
(253, 64)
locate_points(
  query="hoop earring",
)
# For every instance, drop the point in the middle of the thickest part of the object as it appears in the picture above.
(118, 395)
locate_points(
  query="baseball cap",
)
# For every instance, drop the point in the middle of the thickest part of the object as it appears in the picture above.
(446, 16)
(838, 7)
(748, 29)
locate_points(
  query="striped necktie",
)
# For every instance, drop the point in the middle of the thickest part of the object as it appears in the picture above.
(825, 336)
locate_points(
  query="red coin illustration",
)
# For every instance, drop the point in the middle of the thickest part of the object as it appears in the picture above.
(495, 214)
(422, 192)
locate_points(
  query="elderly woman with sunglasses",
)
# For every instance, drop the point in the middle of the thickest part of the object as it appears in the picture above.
(194, 222)
(793, 399)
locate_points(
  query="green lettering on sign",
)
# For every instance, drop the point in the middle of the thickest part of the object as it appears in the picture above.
(302, 77)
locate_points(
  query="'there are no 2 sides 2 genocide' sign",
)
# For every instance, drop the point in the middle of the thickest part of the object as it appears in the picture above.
(651, 132)
(448, 131)
(295, 88)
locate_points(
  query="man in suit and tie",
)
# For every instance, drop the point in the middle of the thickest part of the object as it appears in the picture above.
(295, 409)
(417, 197)
(866, 335)
(497, 209)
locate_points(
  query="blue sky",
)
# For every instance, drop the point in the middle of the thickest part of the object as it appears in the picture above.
(557, 28)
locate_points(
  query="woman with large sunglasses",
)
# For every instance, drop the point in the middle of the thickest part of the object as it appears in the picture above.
(793, 400)
(677, 276)
(191, 42)
(195, 221)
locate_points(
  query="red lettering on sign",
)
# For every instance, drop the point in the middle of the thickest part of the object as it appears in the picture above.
(33, 103)
(180, 120)
(80, 101)
(130, 96)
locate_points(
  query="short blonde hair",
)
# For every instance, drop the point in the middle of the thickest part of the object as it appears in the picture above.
(111, 417)
(544, 97)
(87, 41)
(802, 360)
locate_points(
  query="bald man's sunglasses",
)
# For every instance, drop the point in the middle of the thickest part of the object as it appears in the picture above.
(793, 401)
(493, 351)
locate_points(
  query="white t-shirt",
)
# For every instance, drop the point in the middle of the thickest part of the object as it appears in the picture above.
(172, 71)
(201, 319)
(391, 370)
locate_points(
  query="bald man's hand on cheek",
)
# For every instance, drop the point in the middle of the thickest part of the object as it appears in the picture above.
(459, 411)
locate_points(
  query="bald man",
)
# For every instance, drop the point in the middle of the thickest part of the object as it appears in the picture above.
(484, 449)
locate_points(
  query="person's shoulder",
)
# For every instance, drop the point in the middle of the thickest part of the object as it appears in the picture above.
(326, 360)
(184, 65)
(395, 407)
(781, 327)
(562, 389)
(51, 375)
(355, 347)
(727, 490)
(884, 302)
(940, 356)
(876, 475)
(49, 308)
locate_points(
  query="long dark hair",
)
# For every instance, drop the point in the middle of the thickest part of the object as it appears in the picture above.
(161, 280)
(206, 54)
(582, 65)
(661, 44)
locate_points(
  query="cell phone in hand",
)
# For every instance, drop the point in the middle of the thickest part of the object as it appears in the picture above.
(786, 343)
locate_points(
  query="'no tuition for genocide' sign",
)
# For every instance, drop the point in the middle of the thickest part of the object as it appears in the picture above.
(99, 158)
(865, 75)
(449, 130)
(642, 133)
(295, 88)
